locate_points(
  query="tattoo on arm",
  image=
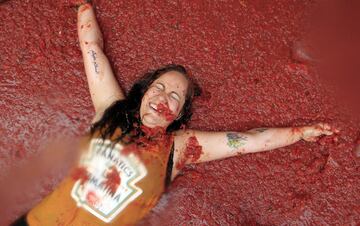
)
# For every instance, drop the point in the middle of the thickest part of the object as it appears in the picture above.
(93, 56)
(235, 140)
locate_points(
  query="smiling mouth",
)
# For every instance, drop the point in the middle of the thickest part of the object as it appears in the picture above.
(162, 110)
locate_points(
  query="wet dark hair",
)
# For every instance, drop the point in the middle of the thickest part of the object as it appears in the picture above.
(125, 114)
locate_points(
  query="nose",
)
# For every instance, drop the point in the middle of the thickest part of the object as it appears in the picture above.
(163, 97)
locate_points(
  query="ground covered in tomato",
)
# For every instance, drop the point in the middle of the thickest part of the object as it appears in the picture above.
(241, 54)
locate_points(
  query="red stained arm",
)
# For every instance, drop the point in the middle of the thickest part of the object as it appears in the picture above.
(192, 146)
(104, 88)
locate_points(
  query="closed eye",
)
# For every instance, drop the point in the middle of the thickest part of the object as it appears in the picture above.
(175, 96)
(160, 86)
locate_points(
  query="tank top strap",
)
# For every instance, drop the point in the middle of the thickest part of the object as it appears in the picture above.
(169, 166)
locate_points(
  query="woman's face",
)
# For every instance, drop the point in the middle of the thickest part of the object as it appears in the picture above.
(164, 99)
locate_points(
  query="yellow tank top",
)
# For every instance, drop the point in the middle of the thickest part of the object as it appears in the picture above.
(120, 187)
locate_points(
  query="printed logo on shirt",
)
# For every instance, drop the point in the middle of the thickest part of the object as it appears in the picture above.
(112, 178)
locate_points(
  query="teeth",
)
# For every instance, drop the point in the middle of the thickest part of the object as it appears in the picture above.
(153, 106)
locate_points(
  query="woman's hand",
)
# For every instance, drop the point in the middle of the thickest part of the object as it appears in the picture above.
(313, 133)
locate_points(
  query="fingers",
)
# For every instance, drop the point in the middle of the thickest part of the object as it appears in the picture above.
(324, 126)
(311, 139)
(326, 129)
(327, 132)
(313, 133)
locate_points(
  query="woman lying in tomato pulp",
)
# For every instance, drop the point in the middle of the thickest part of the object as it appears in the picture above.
(138, 143)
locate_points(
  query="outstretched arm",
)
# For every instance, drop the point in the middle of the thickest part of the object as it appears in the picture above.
(104, 88)
(192, 146)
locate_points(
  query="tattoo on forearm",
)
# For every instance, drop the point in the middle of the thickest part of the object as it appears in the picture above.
(93, 56)
(236, 140)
